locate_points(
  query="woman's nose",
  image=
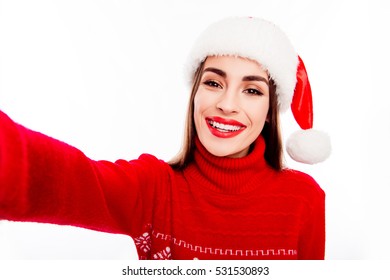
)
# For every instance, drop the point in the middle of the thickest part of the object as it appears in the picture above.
(228, 102)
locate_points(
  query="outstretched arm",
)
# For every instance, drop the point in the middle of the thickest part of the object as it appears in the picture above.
(46, 180)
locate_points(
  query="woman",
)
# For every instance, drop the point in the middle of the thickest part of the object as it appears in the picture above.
(226, 195)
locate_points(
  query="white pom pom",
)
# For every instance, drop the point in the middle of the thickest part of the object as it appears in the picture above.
(309, 146)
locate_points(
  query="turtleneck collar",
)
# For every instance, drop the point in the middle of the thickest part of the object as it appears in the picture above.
(229, 175)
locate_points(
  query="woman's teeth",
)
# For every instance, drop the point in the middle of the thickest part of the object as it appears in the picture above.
(224, 127)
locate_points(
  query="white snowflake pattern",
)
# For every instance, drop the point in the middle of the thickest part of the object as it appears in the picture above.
(143, 242)
(163, 255)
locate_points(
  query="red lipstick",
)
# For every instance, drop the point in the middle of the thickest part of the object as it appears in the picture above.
(224, 128)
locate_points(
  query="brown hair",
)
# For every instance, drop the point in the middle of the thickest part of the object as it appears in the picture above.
(271, 132)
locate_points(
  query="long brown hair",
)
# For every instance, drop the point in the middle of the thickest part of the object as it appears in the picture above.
(271, 132)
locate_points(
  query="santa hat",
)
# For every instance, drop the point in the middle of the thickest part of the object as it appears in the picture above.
(264, 42)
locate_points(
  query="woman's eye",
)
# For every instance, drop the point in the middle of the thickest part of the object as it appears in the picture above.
(253, 91)
(212, 84)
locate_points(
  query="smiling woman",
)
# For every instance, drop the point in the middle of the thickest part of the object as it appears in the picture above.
(227, 195)
(228, 106)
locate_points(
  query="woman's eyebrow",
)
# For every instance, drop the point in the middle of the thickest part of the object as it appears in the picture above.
(245, 79)
(216, 71)
(255, 78)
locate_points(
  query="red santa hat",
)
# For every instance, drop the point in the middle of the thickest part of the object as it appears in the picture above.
(264, 42)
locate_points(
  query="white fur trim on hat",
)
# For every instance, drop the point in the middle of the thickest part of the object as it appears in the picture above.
(252, 38)
(309, 146)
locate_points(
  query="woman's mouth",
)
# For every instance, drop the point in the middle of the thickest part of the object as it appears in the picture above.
(224, 128)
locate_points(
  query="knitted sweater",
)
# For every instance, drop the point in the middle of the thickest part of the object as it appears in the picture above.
(216, 208)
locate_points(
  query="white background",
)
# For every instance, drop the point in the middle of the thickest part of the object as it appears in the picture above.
(107, 77)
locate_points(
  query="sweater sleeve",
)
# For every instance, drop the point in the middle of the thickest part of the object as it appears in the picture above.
(312, 237)
(46, 180)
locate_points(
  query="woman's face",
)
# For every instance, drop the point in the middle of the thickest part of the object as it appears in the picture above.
(230, 105)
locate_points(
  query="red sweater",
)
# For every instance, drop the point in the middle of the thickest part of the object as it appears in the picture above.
(217, 208)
